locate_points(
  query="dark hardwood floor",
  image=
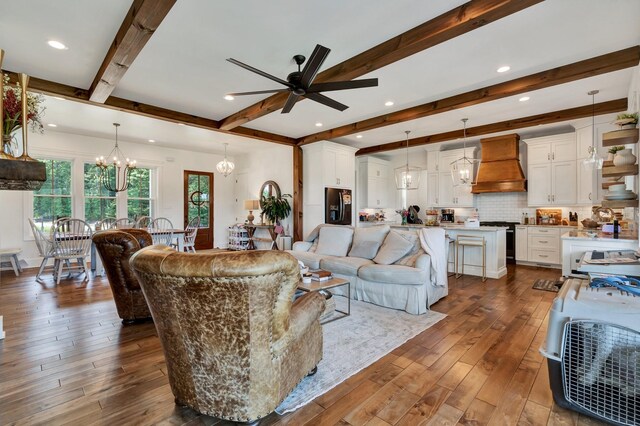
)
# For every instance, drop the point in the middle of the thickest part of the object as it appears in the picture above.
(68, 360)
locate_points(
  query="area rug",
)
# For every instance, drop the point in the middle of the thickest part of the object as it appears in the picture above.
(355, 342)
(548, 285)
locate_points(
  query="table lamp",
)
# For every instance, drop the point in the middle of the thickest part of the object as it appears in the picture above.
(251, 205)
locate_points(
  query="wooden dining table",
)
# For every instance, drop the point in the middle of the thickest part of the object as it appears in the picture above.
(96, 262)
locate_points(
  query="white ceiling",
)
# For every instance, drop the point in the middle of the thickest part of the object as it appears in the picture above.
(183, 66)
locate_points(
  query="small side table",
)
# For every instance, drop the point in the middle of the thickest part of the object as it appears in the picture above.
(326, 285)
(11, 255)
(251, 229)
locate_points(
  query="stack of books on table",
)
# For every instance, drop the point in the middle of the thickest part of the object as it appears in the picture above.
(320, 275)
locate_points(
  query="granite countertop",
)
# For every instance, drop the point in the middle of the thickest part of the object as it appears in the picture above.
(600, 236)
(453, 227)
(551, 226)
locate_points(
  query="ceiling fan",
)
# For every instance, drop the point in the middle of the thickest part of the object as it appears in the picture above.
(300, 83)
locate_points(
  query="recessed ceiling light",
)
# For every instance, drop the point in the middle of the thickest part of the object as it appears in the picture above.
(180, 124)
(52, 125)
(388, 103)
(152, 140)
(59, 98)
(504, 68)
(57, 45)
(318, 124)
(228, 97)
(359, 136)
(524, 99)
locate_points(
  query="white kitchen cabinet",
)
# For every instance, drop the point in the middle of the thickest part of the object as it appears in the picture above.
(445, 190)
(432, 190)
(432, 161)
(373, 186)
(551, 170)
(544, 245)
(587, 192)
(563, 183)
(339, 168)
(522, 249)
(539, 184)
(551, 148)
(447, 157)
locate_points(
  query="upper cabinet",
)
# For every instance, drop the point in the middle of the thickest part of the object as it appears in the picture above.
(440, 189)
(551, 170)
(339, 167)
(374, 179)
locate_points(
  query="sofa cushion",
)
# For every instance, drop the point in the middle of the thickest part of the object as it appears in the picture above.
(344, 265)
(393, 248)
(312, 260)
(334, 240)
(393, 274)
(367, 241)
(410, 258)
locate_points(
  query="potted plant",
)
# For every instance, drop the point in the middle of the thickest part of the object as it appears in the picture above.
(275, 208)
(612, 152)
(627, 120)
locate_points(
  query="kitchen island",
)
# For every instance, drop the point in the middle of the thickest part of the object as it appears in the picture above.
(496, 250)
(576, 243)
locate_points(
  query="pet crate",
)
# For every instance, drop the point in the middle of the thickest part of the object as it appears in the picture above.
(593, 352)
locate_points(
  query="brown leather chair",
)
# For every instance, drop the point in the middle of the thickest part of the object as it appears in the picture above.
(234, 342)
(115, 247)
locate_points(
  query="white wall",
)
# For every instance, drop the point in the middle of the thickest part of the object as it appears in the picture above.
(170, 165)
(272, 162)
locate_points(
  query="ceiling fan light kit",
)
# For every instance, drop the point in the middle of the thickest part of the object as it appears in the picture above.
(300, 83)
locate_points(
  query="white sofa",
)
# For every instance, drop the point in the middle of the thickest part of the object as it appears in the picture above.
(362, 256)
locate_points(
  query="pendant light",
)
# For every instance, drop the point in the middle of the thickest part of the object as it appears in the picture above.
(407, 177)
(593, 161)
(225, 167)
(113, 175)
(463, 169)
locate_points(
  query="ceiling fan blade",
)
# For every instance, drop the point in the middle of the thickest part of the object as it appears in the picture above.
(313, 65)
(291, 101)
(326, 101)
(258, 92)
(342, 85)
(262, 73)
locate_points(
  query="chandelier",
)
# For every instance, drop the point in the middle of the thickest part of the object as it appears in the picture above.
(407, 177)
(462, 169)
(593, 161)
(113, 175)
(225, 167)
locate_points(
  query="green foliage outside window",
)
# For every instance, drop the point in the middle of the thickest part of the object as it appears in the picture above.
(53, 200)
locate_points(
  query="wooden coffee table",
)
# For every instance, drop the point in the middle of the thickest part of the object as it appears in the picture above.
(326, 285)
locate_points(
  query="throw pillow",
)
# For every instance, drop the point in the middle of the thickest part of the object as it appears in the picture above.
(334, 240)
(364, 249)
(363, 239)
(393, 249)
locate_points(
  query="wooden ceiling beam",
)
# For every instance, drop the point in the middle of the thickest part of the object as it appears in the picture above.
(463, 19)
(603, 64)
(608, 107)
(138, 26)
(51, 88)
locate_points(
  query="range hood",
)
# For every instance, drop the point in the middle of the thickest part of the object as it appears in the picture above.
(500, 169)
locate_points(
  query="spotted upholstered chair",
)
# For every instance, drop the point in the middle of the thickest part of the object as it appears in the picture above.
(115, 247)
(234, 342)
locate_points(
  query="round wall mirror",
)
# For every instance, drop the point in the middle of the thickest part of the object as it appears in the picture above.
(268, 189)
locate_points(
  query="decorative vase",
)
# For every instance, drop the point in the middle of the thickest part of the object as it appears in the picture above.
(624, 157)
(610, 157)
(6, 149)
(404, 220)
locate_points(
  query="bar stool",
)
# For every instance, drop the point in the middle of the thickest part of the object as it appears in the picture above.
(471, 241)
(451, 250)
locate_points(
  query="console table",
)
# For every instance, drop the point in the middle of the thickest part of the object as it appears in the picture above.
(251, 229)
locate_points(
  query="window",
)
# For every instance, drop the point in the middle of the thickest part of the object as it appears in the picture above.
(53, 200)
(139, 201)
(98, 202)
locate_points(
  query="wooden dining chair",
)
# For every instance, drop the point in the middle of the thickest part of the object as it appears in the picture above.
(71, 242)
(161, 230)
(190, 233)
(124, 223)
(106, 223)
(44, 244)
(144, 222)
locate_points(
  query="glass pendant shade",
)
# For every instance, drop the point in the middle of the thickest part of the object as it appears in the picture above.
(593, 161)
(463, 169)
(225, 167)
(407, 177)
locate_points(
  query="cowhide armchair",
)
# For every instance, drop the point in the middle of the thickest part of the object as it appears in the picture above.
(234, 342)
(115, 247)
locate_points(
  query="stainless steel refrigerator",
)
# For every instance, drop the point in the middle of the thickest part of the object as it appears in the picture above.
(337, 206)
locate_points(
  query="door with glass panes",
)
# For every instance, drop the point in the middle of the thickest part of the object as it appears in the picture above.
(198, 202)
